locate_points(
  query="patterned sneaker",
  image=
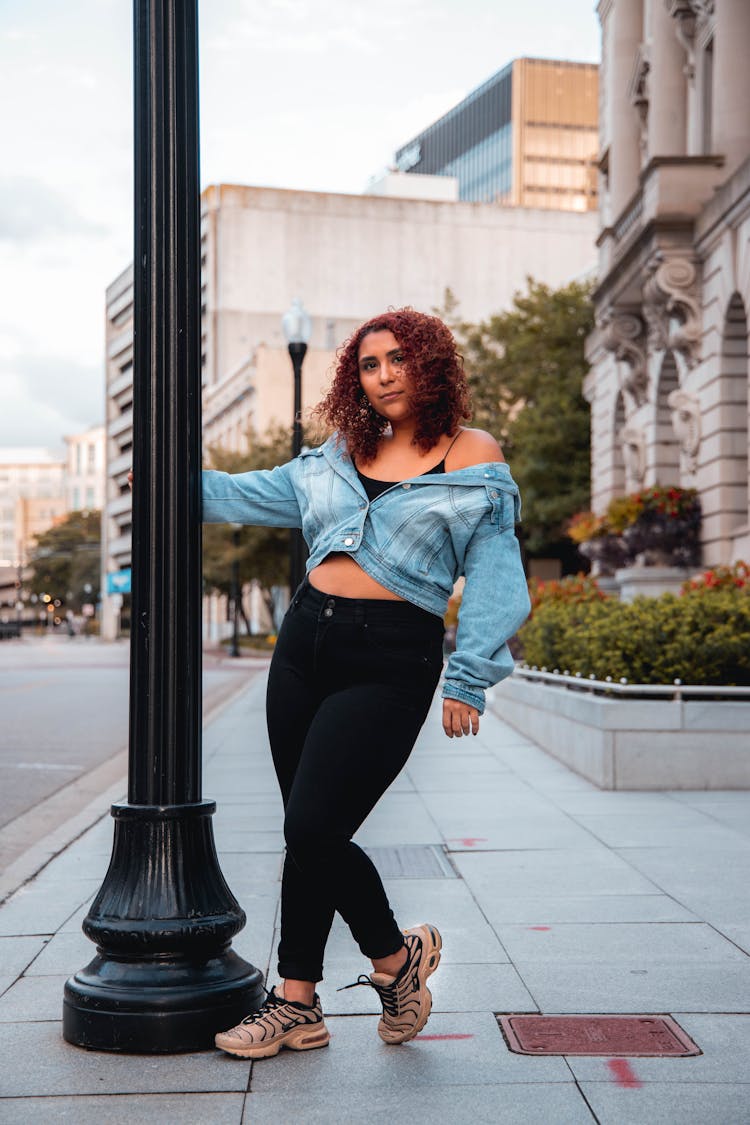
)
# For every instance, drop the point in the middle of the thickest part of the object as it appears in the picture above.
(406, 999)
(277, 1023)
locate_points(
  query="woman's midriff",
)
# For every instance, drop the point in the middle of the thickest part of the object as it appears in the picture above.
(341, 576)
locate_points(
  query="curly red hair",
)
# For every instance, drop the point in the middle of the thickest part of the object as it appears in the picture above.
(435, 368)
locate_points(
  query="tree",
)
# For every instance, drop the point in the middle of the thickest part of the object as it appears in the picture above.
(262, 552)
(66, 560)
(526, 369)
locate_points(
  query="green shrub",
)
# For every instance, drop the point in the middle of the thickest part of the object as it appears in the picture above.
(699, 638)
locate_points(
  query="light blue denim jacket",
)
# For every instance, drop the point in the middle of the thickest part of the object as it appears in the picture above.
(415, 539)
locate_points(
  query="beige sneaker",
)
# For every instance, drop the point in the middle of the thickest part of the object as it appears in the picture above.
(406, 999)
(277, 1023)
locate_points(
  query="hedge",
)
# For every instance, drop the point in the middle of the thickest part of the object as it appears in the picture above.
(699, 637)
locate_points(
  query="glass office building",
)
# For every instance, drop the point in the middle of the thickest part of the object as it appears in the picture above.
(528, 136)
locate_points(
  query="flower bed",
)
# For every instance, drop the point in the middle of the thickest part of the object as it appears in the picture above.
(656, 526)
(701, 637)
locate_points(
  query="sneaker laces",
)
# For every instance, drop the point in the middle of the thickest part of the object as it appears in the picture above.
(270, 1004)
(388, 993)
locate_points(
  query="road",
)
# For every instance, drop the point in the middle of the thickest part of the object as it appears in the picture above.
(64, 713)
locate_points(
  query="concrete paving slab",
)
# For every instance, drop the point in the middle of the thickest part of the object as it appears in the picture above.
(550, 909)
(38, 1062)
(669, 1104)
(33, 999)
(739, 934)
(6, 983)
(724, 1040)
(17, 953)
(676, 830)
(173, 1109)
(549, 872)
(702, 882)
(356, 1052)
(43, 907)
(65, 953)
(443, 1105)
(479, 988)
(619, 943)
(637, 987)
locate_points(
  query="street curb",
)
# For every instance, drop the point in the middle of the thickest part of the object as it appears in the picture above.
(112, 775)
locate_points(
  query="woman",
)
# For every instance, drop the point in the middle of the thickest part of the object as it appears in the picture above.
(395, 506)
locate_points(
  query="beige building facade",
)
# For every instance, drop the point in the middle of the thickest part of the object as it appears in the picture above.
(668, 385)
(348, 258)
(84, 470)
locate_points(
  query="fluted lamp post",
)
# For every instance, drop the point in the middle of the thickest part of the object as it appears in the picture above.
(164, 976)
(297, 328)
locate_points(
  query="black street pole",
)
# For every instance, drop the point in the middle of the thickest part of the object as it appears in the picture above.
(235, 648)
(297, 350)
(164, 977)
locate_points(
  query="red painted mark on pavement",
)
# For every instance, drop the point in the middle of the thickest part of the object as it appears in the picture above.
(468, 841)
(623, 1074)
(433, 1037)
(540, 927)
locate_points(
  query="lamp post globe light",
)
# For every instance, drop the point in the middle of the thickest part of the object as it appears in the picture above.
(164, 976)
(297, 328)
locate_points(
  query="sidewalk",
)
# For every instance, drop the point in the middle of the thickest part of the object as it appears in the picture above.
(555, 897)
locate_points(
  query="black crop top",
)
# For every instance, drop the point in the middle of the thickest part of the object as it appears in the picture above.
(374, 487)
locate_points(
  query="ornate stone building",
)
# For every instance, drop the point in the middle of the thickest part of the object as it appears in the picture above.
(669, 380)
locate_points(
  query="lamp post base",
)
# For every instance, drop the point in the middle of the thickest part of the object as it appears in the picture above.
(158, 1007)
(164, 977)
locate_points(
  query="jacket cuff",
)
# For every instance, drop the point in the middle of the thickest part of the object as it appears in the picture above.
(452, 689)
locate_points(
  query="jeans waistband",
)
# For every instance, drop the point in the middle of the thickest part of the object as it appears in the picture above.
(357, 611)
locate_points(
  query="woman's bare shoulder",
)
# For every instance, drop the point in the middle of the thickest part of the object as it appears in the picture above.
(473, 447)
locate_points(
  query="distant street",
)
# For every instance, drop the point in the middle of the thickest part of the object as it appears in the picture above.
(64, 711)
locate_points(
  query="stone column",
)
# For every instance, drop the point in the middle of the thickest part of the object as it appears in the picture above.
(667, 111)
(730, 116)
(626, 23)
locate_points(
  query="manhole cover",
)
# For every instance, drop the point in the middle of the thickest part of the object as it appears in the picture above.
(596, 1035)
(415, 861)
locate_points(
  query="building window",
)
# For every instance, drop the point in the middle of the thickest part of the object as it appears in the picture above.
(92, 458)
(89, 497)
(708, 89)
(76, 499)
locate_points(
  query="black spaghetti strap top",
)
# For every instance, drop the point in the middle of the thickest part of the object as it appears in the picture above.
(373, 487)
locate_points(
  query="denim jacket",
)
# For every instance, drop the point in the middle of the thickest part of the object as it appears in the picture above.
(415, 539)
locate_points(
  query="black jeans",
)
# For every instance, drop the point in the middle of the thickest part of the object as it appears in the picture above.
(350, 685)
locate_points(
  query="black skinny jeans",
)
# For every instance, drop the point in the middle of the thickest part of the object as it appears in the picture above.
(349, 688)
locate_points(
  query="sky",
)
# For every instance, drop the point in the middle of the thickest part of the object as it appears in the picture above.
(306, 94)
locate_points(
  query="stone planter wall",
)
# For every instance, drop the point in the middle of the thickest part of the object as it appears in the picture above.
(651, 581)
(633, 743)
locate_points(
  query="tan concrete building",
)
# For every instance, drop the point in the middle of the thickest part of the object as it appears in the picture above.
(84, 471)
(669, 379)
(32, 498)
(347, 257)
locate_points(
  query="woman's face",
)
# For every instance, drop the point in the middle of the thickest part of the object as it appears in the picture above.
(383, 375)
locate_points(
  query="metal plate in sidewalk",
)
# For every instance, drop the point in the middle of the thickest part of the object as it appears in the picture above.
(412, 862)
(636, 1036)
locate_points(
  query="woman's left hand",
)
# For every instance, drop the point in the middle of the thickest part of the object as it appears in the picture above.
(459, 718)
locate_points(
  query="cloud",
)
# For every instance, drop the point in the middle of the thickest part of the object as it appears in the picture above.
(46, 397)
(31, 210)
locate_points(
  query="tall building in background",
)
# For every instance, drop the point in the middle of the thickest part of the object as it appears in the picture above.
(32, 498)
(527, 137)
(347, 257)
(84, 472)
(669, 384)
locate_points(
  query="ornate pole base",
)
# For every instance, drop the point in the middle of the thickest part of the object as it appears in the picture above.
(164, 977)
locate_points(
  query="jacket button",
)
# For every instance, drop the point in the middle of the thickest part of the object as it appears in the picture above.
(348, 541)
(407, 485)
(488, 474)
(493, 494)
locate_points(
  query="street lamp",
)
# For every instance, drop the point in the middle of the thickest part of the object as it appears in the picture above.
(297, 328)
(235, 591)
(164, 976)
